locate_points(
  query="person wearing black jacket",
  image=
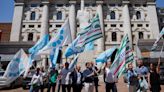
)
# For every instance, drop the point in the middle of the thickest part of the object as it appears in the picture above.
(76, 76)
(88, 76)
(154, 78)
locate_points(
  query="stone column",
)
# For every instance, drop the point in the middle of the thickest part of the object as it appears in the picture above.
(127, 23)
(17, 22)
(153, 19)
(100, 42)
(72, 18)
(45, 20)
(44, 27)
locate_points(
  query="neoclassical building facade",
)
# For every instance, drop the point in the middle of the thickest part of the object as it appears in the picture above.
(137, 18)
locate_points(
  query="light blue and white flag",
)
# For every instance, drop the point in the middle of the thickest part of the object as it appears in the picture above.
(62, 38)
(89, 46)
(72, 49)
(39, 45)
(104, 56)
(16, 66)
(157, 40)
(54, 56)
(73, 62)
(33, 51)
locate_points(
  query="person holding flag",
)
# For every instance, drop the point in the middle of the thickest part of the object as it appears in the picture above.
(109, 78)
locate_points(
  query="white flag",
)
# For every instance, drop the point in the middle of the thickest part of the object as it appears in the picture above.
(62, 38)
(16, 66)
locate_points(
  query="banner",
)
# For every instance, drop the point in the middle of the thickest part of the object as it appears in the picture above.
(17, 66)
(62, 38)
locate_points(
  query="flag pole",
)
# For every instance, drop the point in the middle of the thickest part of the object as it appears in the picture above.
(159, 60)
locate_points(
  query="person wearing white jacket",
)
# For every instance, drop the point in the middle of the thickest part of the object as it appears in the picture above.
(36, 81)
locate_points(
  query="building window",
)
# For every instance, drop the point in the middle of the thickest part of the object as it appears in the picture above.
(105, 25)
(32, 16)
(121, 25)
(39, 26)
(41, 5)
(113, 25)
(58, 25)
(59, 5)
(122, 36)
(144, 5)
(147, 25)
(138, 15)
(148, 36)
(132, 25)
(50, 25)
(139, 25)
(140, 35)
(31, 26)
(24, 26)
(114, 36)
(112, 15)
(34, 5)
(30, 37)
(59, 15)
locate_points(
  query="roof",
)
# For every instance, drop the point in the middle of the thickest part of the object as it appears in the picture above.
(146, 45)
(13, 47)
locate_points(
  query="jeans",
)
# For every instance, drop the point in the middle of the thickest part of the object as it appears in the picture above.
(34, 89)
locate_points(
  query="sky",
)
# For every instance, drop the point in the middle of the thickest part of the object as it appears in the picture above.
(7, 9)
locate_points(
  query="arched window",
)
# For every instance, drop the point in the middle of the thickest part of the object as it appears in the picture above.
(141, 35)
(138, 15)
(59, 15)
(114, 36)
(112, 15)
(32, 16)
(30, 37)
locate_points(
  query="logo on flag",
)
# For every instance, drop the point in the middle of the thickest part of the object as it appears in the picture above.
(63, 37)
(16, 66)
(124, 55)
(91, 32)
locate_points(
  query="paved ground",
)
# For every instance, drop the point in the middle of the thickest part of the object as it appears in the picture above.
(120, 86)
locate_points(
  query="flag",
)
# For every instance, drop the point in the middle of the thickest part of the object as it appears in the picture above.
(34, 51)
(91, 32)
(157, 40)
(89, 46)
(104, 56)
(124, 55)
(72, 49)
(73, 62)
(55, 56)
(63, 37)
(39, 45)
(16, 66)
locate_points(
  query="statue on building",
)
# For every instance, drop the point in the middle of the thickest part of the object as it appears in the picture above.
(83, 16)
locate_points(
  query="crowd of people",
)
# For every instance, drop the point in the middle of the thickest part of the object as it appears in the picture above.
(139, 79)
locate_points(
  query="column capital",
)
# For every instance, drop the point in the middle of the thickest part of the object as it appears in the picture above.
(125, 2)
(72, 2)
(19, 4)
(151, 3)
(99, 2)
(45, 2)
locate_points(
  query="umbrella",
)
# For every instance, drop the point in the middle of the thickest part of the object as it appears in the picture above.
(104, 56)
